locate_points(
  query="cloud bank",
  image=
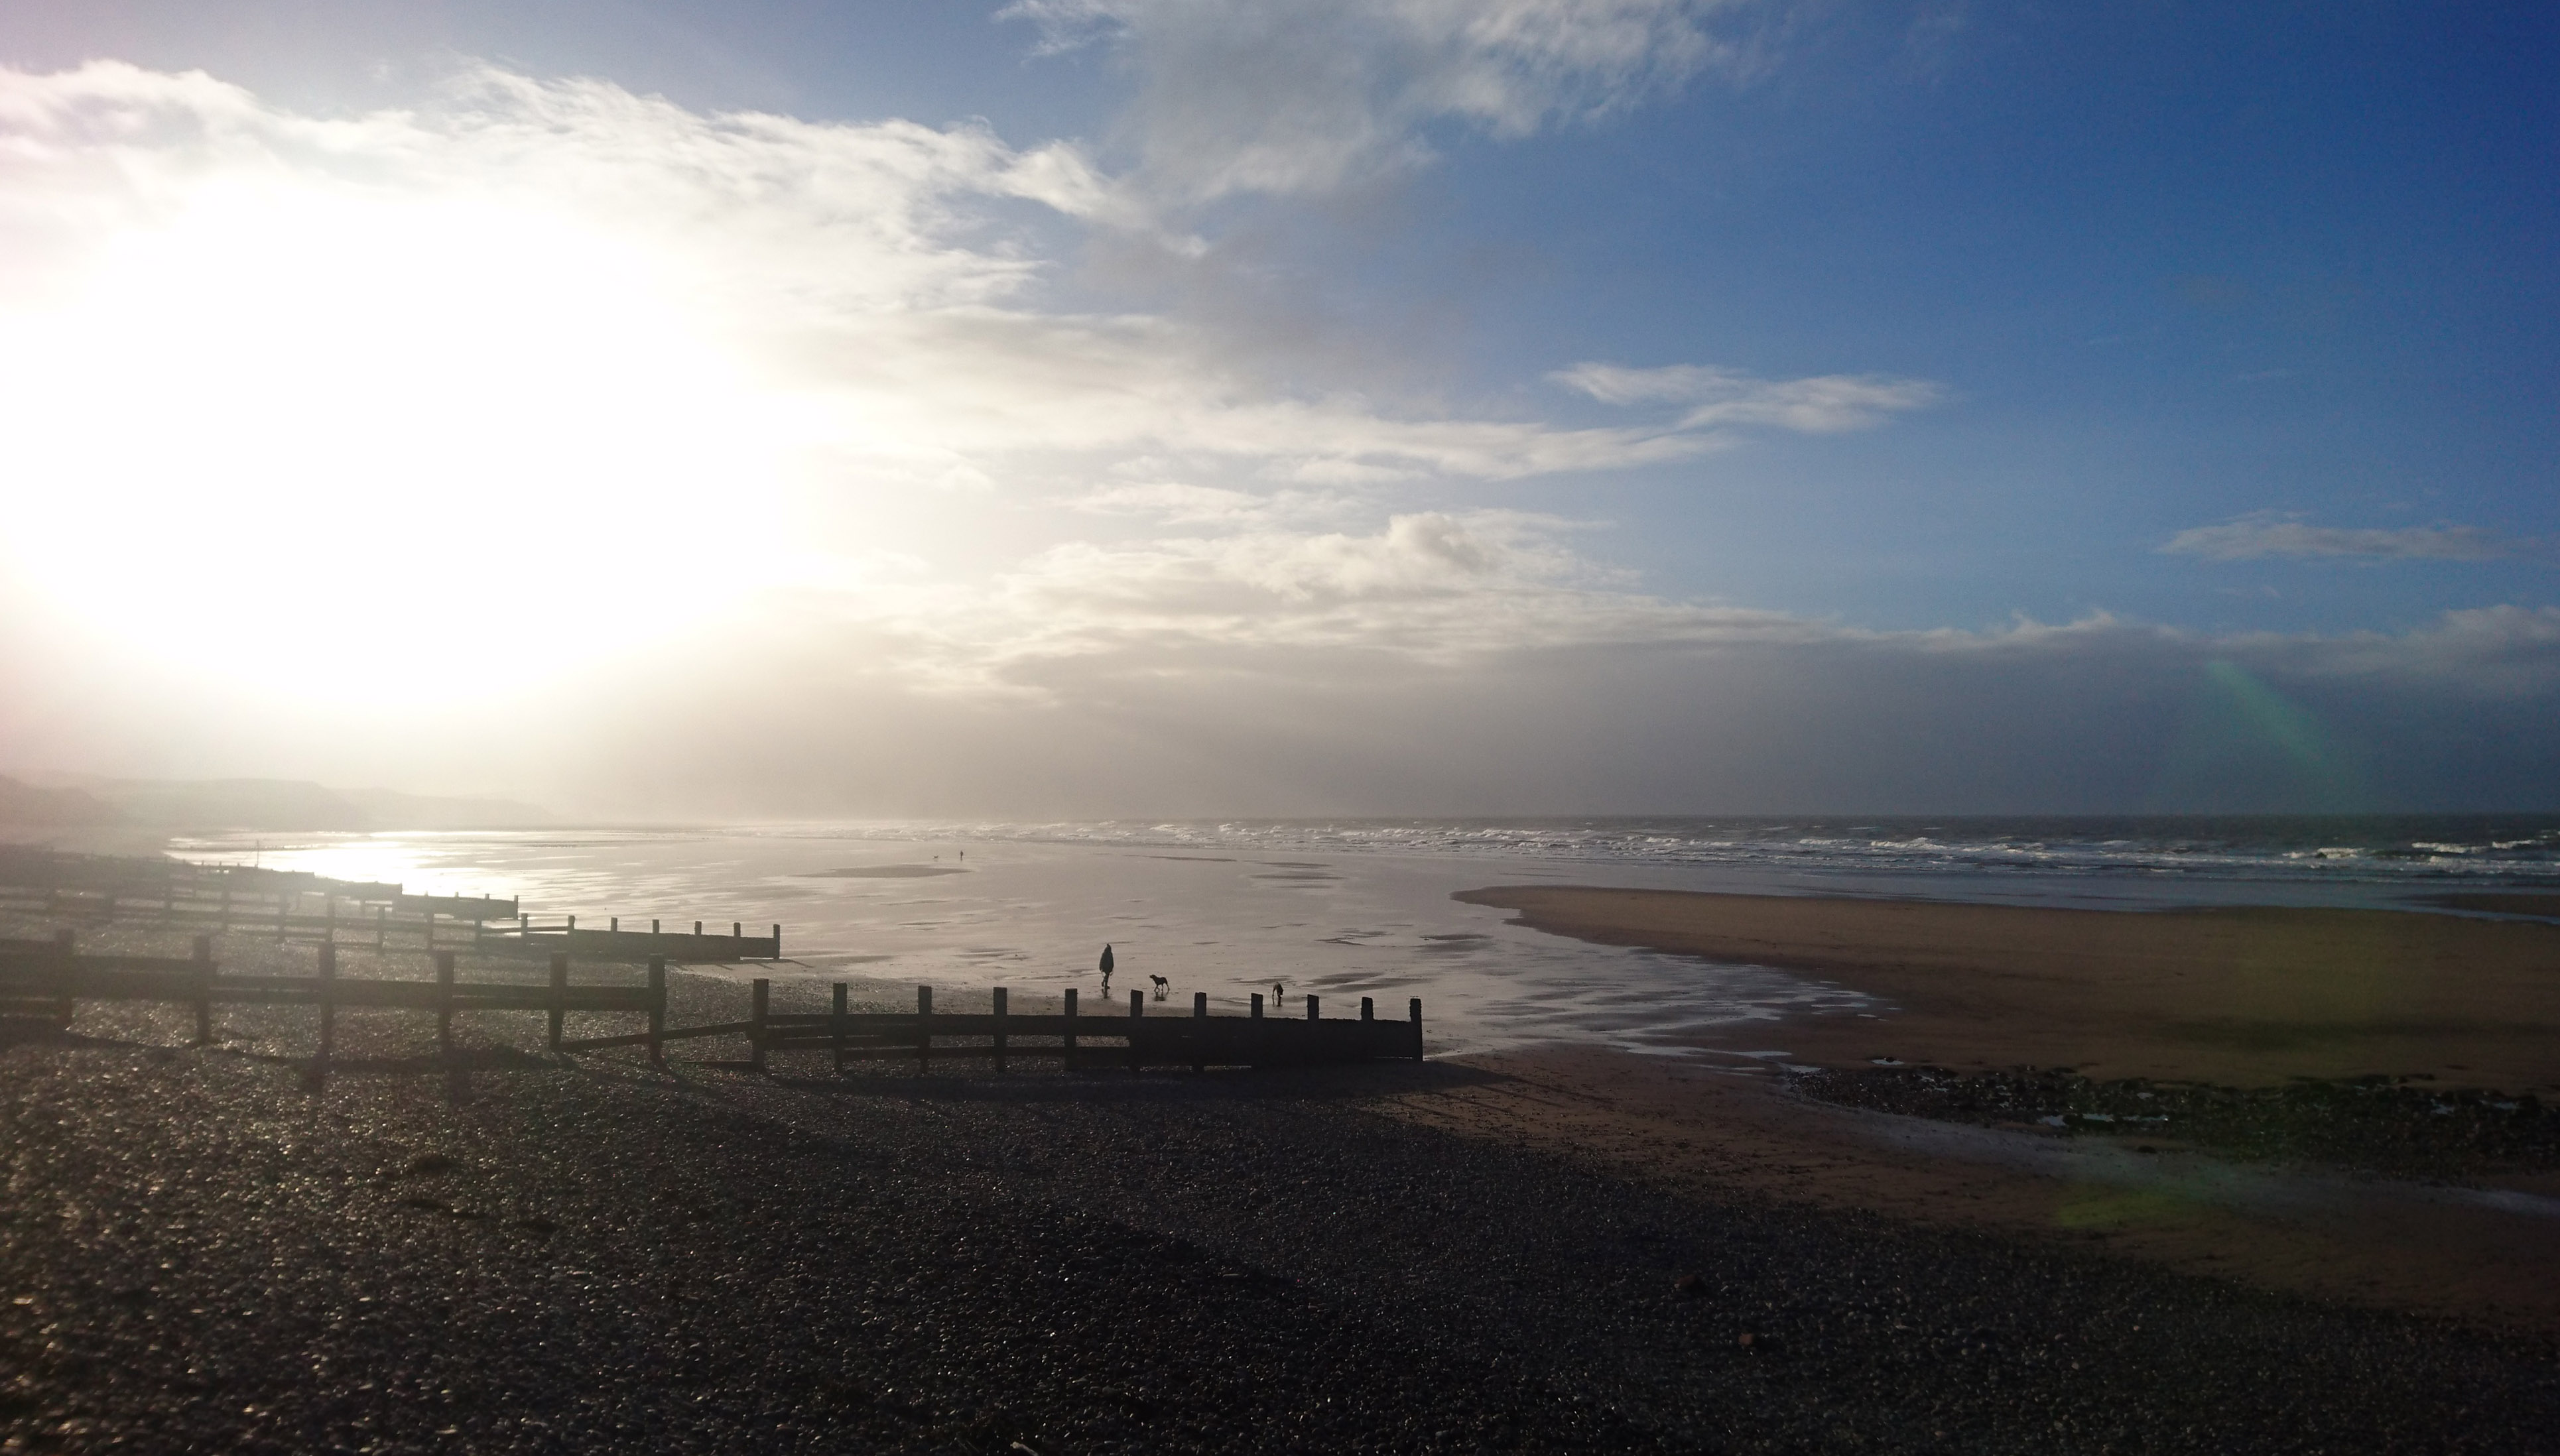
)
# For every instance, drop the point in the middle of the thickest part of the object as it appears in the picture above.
(548, 439)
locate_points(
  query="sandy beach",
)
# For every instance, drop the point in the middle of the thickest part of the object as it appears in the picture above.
(2240, 997)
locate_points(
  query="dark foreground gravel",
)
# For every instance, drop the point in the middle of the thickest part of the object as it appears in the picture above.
(529, 1254)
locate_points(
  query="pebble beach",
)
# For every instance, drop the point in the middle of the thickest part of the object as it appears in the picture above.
(517, 1251)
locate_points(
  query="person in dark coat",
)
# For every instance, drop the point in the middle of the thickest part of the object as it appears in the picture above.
(1107, 968)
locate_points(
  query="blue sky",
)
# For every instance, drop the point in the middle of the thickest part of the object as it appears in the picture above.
(1265, 363)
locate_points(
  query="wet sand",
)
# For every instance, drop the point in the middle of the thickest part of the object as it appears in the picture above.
(2229, 998)
(2240, 997)
(2380, 1243)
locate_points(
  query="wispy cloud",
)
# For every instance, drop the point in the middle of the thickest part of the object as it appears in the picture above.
(1295, 97)
(2263, 533)
(1720, 397)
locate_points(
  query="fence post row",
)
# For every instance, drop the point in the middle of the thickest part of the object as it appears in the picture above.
(57, 975)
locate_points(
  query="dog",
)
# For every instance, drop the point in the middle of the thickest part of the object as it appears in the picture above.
(1162, 987)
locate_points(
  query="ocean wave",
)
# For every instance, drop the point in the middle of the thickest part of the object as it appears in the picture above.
(2379, 849)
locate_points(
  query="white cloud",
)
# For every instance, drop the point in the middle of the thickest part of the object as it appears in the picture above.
(587, 315)
(1294, 96)
(1718, 397)
(2265, 533)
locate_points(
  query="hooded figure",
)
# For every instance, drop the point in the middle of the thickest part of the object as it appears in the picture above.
(1106, 969)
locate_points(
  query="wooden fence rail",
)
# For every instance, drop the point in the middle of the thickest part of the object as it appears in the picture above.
(46, 978)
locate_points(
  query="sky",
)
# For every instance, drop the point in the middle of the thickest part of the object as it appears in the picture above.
(1197, 407)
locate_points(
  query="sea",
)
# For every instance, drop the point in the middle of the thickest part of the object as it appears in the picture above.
(1351, 908)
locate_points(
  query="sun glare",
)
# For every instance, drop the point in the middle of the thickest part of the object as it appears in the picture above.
(345, 428)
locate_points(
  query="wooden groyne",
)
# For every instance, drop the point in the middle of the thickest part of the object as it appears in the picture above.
(47, 980)
(142, 880)
(613, 943)
(298, 906)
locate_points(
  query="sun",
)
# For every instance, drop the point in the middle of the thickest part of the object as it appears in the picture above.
(296, 437)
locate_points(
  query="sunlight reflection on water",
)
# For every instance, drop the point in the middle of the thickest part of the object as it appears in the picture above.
(1034, 915)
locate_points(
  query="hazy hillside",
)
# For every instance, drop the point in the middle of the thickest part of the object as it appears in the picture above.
(289, 804)
(25, 804)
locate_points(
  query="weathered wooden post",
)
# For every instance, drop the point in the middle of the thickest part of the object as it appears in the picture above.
(1199, 1010)
(614, 924)
(572, 925)
(777, 940)
(328, 1007)
(756, 1031)
(999, 1031)
(382, 925)
(657, 1010)
(430, 928)
(836, 1028)
(523, 928)
(560, 995)
(1257, 1006)
(1310, 1005)
(1067, 1047)
(204, 990)
(444, 1000)
(924, 1028)
(1415, 1007)
(1136, 1010)
(698, 929)
(329, 920)
(737, 939)
(1369, 1009)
